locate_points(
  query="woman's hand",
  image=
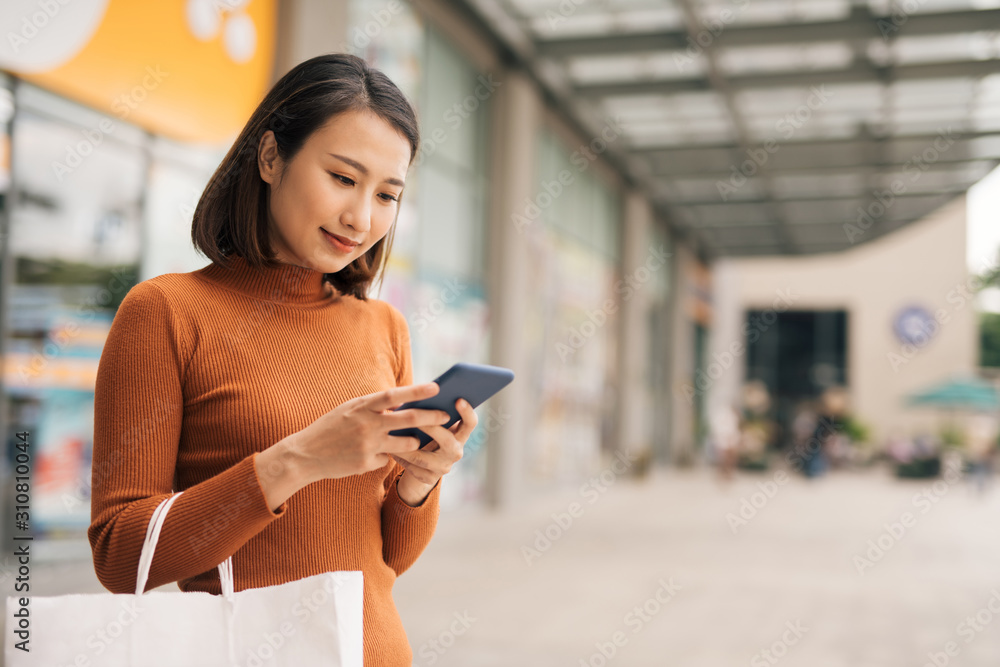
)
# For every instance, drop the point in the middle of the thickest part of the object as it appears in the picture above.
(351, 439)
(424, 467)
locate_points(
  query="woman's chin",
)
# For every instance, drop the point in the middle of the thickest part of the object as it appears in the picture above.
(327, 262)
(333, 266)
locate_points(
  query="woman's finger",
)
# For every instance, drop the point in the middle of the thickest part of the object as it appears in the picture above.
(451, 447)
(394, 444)
(420, 473)
(441, 435)
(468, 422)
(406, 465)
(396, 396)
(420, 459)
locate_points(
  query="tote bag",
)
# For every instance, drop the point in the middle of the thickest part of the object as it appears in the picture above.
(312, 621)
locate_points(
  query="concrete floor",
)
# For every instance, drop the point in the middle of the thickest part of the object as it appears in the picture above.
(652, 574)
(784, 588)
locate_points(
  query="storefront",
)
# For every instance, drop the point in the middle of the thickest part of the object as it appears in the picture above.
(437, 269)
(574, 316)
(656, 405)
(112, 136)
(112, 143)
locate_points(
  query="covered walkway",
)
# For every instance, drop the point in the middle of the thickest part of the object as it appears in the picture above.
(785, 587)
(663, 567)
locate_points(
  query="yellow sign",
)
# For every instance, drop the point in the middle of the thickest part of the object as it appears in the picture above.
(192, 70)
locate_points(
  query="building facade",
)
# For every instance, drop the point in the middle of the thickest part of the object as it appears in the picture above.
(517, 244)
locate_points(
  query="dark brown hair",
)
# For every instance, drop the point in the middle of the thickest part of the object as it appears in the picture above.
(232, 213)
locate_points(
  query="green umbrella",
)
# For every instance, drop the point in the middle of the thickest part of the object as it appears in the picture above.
(959, 393)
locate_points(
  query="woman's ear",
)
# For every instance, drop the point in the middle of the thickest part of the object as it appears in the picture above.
(268, 161)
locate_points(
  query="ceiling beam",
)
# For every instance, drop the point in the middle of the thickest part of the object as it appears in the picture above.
(518, 47)
(683, 203)
(725, 91)
(857, 72)
(860, 24)
(816, 224)
(816, 144)
(840, 169)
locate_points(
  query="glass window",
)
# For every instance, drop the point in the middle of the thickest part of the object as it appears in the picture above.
(452, 165)
(177, 177)
(576, 202)
(448, 311)
(437, 267)
(74, 248)
(575, 329)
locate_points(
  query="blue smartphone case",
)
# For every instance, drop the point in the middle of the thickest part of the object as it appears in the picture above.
(473, 382)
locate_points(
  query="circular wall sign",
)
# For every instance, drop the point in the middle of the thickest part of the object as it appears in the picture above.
(914, 325)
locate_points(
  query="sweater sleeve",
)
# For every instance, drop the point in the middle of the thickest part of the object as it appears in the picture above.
(138, 411)
(406, 530)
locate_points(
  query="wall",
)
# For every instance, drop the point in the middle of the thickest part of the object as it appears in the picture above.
(686, 306)
(922, 264)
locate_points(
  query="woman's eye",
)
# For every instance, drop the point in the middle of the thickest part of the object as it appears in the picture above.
(347, 181)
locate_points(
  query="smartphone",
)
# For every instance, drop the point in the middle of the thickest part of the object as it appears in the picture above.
(473, 382)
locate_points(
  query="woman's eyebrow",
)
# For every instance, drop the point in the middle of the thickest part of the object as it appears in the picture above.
(364, 170)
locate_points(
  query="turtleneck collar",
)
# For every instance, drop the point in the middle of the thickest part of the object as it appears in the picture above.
(284, 283)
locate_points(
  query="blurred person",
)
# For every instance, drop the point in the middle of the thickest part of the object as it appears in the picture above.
(262, 385)
(838, 450)
(899, 448)
(832, 408)
(725, 429)
(924, 457)
(980, 447)
(925, 446)
(803, 424)
(756, 398)
(802, 429)
(757, 428)
(756, 435)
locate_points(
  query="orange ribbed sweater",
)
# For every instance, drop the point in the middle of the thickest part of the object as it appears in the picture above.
(203, 370)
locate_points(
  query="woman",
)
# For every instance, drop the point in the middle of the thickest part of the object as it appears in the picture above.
(261, 385)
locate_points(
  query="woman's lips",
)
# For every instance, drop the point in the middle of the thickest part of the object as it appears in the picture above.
(339, 242)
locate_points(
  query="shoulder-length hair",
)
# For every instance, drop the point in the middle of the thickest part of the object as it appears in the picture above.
(232, 213)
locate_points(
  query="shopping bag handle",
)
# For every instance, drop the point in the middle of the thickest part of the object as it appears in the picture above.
(149, 547)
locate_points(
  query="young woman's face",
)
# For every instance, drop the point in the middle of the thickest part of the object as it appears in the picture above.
(339, 194)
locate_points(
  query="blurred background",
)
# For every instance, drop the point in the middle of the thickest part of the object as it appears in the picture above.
(741, 254)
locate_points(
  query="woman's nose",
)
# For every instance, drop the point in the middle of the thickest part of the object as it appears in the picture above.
(358, 215)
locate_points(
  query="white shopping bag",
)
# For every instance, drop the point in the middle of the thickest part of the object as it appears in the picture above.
(312, 621)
